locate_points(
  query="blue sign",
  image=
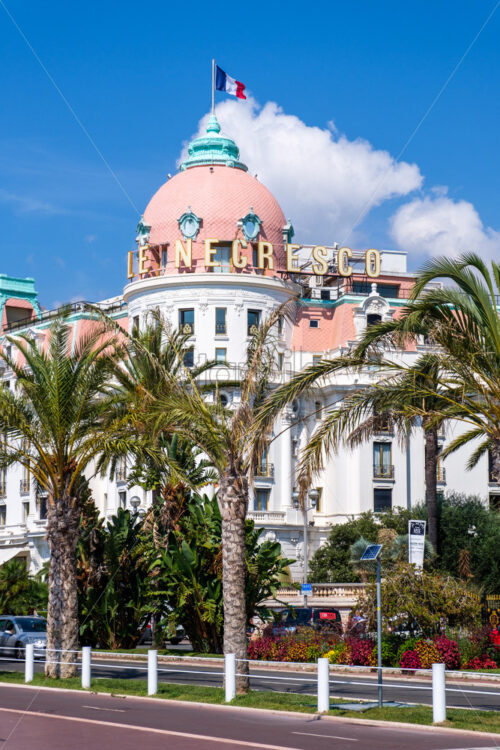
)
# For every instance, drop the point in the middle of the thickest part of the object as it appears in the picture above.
(307, 588)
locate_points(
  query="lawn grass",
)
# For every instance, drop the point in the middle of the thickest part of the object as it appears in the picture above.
(161, 652)
(485, 721)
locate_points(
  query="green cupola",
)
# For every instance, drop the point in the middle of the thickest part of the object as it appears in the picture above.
(213, 148)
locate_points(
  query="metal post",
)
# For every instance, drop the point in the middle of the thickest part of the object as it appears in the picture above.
(323, 685)
(305, 551)
(230, 676)
(86, 662)
(213, 86)
(438, 693)
(152, 671)
(379, 636)
(29, 655)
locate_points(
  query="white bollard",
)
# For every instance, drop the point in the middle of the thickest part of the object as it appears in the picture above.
(29, 658)
(438, 693)
(230, 676)
(323, 685)
(152, 671)
(86, 661)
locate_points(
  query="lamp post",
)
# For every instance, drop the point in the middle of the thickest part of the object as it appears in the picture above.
(372, 554)
(313, 497)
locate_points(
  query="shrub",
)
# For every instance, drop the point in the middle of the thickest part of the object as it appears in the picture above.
(389, 651)
(448, 651)
(336, 653)
(361, 652)
(480, 662)
(428, 653)
(408, 645)
(410, 660)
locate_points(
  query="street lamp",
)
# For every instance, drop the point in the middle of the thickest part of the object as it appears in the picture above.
(372, 553)
(313, 495)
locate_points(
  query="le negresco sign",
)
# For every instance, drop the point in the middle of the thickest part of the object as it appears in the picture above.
(321, 256)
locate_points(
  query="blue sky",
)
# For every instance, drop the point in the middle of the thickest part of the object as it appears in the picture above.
(138, 77)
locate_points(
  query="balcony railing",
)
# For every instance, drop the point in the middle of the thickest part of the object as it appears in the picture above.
(121, 475)
(3, 489)
(220, 328)
(383, 471)
(264, 470)
(24, 486)
(187, 328)
(441, 474)
(267, 516)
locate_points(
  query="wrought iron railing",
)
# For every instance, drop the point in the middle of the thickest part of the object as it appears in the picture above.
(383, 471)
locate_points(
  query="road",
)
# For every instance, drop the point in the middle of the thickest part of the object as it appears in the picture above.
(59, 720)
(485, 696)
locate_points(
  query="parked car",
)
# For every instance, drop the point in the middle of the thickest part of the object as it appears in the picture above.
(16, 631)
(146, 637)
(324, 619)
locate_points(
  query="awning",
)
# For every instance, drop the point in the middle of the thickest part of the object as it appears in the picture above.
(6, 553)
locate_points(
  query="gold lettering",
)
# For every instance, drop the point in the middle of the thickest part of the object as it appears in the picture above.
(130, 264)
(373, 263)
(265, 252)
(319, 254)
(186, 253)
(209, 253)
(238, 260)
(343, 255)
(291, 258)
(141, 259)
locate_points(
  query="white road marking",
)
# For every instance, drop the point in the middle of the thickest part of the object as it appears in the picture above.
(98, 708)
(330, 736)
(152, 730)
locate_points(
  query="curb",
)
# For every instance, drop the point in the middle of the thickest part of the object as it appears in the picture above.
(319, 717)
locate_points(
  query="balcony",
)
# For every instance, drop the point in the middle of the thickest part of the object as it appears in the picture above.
(441, 474)
(24, 486)
(264, 470)
(266, 516)
(382, 471)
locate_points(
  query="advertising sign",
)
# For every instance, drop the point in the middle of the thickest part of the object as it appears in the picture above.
(416, 542)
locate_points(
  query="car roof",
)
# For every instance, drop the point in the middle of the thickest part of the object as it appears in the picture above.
(17, 617)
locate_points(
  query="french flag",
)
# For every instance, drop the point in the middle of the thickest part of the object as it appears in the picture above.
(223, 82)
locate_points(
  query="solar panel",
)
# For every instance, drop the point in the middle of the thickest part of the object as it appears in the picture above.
(371, 552)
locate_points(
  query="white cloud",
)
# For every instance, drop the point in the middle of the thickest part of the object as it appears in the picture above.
(26, 204)
(324, 182)
(437, 225)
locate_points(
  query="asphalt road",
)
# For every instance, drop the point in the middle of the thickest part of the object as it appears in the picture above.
(59, 720)
(485, 696)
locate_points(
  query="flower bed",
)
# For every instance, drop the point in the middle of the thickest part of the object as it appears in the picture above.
(478, 651)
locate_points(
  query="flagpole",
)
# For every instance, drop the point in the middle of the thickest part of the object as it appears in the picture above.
(213, 86)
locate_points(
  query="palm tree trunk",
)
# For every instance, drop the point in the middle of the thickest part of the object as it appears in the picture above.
(233, 498)
(62, 614)
(431, 465)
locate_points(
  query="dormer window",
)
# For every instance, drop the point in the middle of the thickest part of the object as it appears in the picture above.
(250, 225)
(143, 232)
(189, 224)
(373, 319)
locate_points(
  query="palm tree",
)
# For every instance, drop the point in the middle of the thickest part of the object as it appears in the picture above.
(459, 381)
(463, 321)
(55, 426)
(402, 398)
(233, 444)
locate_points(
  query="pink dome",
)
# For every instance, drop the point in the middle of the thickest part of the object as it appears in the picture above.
(220, 196)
